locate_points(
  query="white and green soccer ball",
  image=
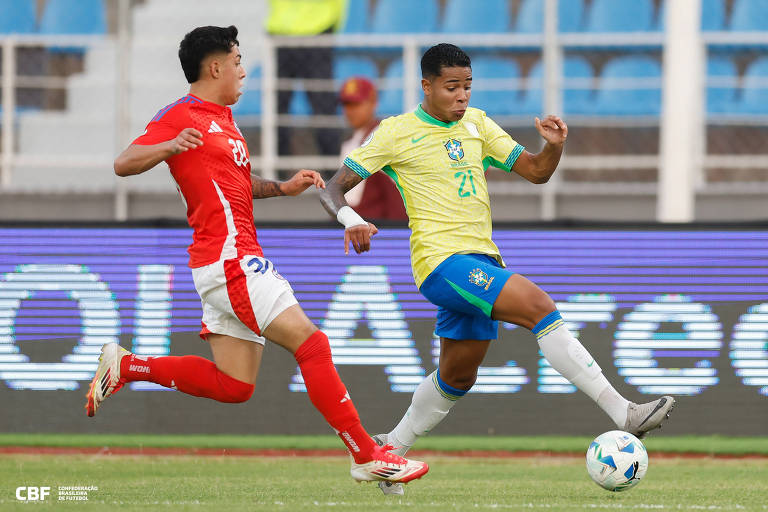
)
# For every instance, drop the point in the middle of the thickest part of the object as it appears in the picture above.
(617, 460)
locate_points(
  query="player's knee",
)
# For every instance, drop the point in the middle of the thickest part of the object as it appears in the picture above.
(234, 391)
(315, 347)
(242, 394)
(541, 304)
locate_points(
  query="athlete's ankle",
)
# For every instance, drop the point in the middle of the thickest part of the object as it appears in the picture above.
(133, 368)
(399, 448)
(359, 443)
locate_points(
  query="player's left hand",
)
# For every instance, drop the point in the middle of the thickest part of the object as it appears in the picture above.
(553, 129)
(360, 237)
(301, 181)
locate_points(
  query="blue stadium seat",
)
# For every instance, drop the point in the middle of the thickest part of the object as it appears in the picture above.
(249, 103)
(345, 66)
(749, 15)
(721, 98)
(74, 17)
(575, 101)
(18, 16)
(712, 15)
(570, 15)
(533, 98)
(621, 101)
(489, 97)
(754, 99)
(357, 17)
(620, 16)
(404, 16)
(391, 100)
(530, 18)
(482, 17)
(299, 105)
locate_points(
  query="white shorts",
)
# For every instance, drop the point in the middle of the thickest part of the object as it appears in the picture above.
(241, 297)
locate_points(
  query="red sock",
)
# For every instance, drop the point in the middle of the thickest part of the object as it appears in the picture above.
(189, 374)
(330, 397)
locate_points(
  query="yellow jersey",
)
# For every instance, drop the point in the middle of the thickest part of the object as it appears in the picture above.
(439, 169)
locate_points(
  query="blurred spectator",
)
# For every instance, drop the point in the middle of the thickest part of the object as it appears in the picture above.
(306, 18)
(376, 197)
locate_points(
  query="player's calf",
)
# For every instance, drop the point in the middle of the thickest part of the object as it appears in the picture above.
(192, 375)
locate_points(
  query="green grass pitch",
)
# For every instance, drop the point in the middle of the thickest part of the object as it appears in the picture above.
(553, 483)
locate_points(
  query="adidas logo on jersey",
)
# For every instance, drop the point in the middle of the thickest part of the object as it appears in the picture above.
(215, 128)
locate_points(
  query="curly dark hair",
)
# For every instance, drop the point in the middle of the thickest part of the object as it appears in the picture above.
(441, 56)
(200, 43)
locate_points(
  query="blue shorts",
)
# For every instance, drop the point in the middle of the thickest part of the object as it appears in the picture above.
(464, 288)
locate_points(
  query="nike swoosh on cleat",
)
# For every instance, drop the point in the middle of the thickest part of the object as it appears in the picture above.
(662, 403)
(414, 141)
(591, 363)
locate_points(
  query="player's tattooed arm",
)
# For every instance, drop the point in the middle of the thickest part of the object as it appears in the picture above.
(356, 230)
(332, 198)
(262, 188)
(298, 183)
(539, 167)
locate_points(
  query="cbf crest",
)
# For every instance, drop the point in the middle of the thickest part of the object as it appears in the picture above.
(455, 151)
(480, 278)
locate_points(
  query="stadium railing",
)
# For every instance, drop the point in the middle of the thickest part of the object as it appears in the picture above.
(610, 153)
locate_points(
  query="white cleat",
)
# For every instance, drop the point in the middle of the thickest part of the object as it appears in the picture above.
(106, 382)
(388, 487)
(388, 467)
(642, 418)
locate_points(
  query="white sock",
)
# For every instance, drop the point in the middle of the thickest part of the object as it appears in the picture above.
(571, 359)
(430, 404)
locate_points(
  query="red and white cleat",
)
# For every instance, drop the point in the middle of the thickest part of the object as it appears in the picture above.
(389, 487)
(106, 382)
(388, 467)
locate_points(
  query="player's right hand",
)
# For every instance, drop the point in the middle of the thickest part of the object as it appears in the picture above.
(360, 236)
(187, 139)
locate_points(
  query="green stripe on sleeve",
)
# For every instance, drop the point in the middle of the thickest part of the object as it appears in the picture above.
(359, 169)
(389, 171)
(512, 158)
(490, 161)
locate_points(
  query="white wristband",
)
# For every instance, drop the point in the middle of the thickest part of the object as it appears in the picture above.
(349, 217)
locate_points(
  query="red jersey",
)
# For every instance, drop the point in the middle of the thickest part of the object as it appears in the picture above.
(214, 179)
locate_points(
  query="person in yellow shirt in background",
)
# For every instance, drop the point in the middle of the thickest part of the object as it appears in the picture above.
(306, 18)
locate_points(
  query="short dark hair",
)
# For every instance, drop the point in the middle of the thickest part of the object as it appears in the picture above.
(441, 56)
(202, 42)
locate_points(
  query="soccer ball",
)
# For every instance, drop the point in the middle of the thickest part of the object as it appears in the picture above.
(617, 460)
